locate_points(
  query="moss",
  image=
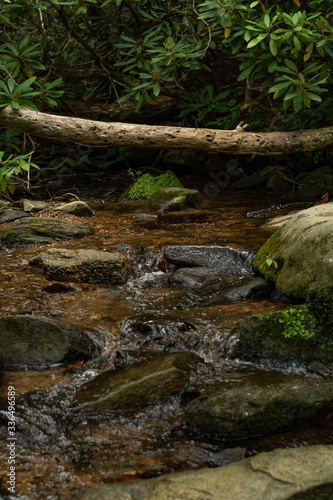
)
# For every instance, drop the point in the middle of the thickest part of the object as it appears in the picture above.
(146, 185)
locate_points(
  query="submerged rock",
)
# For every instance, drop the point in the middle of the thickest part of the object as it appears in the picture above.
(87, 266)
(79, 208)
(35, 342)
(303, 251)
(136, 386)
(147, 334)
(270, 405)
(40, 231)
(277, 475)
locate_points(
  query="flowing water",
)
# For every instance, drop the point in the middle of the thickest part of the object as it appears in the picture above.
(59, 454)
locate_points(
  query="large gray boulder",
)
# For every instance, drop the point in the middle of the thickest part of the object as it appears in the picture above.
(85, 266)
(40, 231)
(35, 342)
(303, 251)
(136, 386)
(277, 475)
(273, 403)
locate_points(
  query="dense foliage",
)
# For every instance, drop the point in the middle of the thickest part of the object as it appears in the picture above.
(225, 60)
(141, 48)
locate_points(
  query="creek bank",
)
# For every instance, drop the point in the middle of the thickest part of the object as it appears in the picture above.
(41, 231)
(277, 475)
(136, 386)
(86, 266)
(37, 343)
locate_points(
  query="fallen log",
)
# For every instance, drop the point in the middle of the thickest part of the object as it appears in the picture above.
(104, 134)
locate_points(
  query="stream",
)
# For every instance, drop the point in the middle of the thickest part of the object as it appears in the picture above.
(60, 453)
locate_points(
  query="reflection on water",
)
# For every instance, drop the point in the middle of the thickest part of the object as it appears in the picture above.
(58, 453)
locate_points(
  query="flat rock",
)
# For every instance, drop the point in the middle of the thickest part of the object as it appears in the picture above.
(205, 256)
(136, 386)
(86, 266)
(277, 475)
(270, 404)
(34, 206)
(40, 231)
(36, 342)
(79, 208)
(8, 215)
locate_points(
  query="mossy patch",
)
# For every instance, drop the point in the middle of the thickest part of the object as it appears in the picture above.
(146, 185)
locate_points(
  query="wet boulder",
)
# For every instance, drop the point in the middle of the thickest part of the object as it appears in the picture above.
(212, 256)
(304, 473)
(136, 386)
(86, 266)
(271, 404)
(286, 338)
(41, 231)
(180, 196)
(79, 208)
(302, 249)
(37, 343)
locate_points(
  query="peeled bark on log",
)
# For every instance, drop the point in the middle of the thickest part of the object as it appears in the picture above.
(104, 134)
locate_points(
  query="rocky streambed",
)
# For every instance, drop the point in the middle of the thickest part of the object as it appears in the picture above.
(122, 340)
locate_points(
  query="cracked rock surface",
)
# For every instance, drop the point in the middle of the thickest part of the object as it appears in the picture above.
(276, 475)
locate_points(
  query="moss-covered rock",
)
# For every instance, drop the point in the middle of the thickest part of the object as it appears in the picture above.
(146, 185)
(87, 266)
(164, 196)
(136, 386)
(275, 403)
(293, 337)
(40, 231)
(35, 342)
(302, 250)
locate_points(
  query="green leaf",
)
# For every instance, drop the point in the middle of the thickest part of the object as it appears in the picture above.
(244, 74)
(297, 43)
(156, 89)
(297, 102)
(273, 47)
(280, 86)
(10, 84)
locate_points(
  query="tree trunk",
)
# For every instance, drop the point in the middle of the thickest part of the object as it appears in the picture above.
(103, 134)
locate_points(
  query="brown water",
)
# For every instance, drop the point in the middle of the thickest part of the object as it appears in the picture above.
(58, 455)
